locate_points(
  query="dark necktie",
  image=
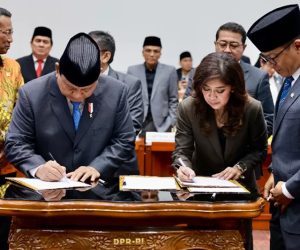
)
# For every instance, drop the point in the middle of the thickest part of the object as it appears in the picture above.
(285, 90)
(39, 68)
(76, 114)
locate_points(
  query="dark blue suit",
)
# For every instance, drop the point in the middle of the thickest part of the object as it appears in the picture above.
(286, 161)
(42, 123)
(134, 96)
(258, 86)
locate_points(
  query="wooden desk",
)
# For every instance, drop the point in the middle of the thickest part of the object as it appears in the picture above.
(140, 154)
(130, 225)
(158, 159)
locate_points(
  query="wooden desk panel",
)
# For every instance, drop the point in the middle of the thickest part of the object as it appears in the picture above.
(140, 154)
(119, 225)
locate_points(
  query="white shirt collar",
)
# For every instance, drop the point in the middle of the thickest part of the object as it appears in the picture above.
(35, 59)
(296, 76)
(105, 72)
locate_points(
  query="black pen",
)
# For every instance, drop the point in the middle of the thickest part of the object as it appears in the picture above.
(65, 178)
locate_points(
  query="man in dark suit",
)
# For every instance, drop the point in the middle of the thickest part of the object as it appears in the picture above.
(107, 48)
(159, 88)
(231, 38)
(277, 36)
(39, 62)
(96, 142)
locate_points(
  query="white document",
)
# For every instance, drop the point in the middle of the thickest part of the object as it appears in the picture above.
(159, 137)
(200, 181)
(202, 184)
(37, 184)
(135, 182)
(217, 190)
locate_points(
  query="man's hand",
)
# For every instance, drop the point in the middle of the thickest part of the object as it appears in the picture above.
(84, 173)
(279, 198)
(51, 171)
(268, 186)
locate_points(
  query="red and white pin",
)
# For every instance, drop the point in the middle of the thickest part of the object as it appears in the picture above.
(91, 109)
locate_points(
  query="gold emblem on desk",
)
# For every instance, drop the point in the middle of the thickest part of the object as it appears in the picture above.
(128, 241)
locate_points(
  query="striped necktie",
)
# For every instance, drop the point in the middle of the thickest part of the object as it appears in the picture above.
(287, 84)
(76, 114)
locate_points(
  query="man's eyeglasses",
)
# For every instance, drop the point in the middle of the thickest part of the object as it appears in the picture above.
(7, 32)
(272, 60)
(232, 45)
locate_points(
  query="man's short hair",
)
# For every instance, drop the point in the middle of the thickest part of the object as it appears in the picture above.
(232, 27)
(4, 12)
(185, 54)
(105, 42)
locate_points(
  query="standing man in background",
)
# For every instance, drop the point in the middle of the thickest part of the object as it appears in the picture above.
(277, 36)
(39, 62)
(106, 44)
(231, 38)
(159, 87)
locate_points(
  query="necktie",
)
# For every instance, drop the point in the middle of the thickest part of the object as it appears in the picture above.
(39, 68)
(285, 90)
(76, 114)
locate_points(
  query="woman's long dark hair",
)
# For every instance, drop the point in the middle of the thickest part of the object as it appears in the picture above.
(224, 67)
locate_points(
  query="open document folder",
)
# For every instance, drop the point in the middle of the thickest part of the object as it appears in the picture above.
(201, 184)
(37, 184)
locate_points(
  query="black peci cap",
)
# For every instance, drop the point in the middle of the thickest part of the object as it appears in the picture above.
(80, 62)
(152, 41)
(42, 31)
(276, 28)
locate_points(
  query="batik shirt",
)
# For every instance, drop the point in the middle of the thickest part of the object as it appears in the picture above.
(10, 81)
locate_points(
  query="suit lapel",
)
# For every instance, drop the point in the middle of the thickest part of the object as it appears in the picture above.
(61, 109)
(87, 118)
(142, 77)
(156, 79)
(214, 140)
(290, 99)
(30, 68)
(46, 68)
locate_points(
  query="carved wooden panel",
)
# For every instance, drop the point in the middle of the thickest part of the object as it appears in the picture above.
(125, 240)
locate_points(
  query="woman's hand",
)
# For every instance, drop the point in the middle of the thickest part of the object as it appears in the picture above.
(185, 174)
(229, 173)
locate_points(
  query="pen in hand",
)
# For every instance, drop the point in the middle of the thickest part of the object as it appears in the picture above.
(191, 177)
(64, 178)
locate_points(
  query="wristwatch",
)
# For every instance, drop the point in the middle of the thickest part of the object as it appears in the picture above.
(241, 166)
